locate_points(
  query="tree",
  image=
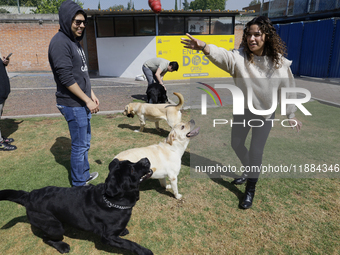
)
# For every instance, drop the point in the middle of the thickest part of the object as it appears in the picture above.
(207, 4)
(117, 7)
(185, 5)
(51, 6)
(176, 8)
(28, 3)
(99, 6)
(43, 6)
(254, 2)
(2, 10)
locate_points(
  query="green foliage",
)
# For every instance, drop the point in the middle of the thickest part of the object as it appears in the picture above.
(43, 6)
(117, 7)
(186, 5)
(176, 7)
(207, 5)
(49, 6)
(99, 5)
(254, 2)
(22, 2)
(3, 10)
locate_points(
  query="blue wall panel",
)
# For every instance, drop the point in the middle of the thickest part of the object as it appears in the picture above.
(316, 48)
(294, 46)
(334, 71)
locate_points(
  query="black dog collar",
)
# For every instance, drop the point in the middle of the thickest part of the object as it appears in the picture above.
(110, 205)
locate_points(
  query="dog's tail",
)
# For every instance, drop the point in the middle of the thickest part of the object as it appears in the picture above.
(181, 101)
(17, 196)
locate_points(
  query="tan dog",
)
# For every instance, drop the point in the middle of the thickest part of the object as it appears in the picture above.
(165, 157)
(156, 112)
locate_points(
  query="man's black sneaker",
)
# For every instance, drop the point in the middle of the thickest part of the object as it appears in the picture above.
(7, 140)
(7, 147)
(93, 176)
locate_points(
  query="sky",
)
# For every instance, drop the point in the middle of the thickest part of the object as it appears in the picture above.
(166, 4)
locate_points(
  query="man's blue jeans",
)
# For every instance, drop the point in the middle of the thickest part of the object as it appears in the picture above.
(78, 119)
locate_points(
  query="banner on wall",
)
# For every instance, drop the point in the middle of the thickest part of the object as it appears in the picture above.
(192, 63)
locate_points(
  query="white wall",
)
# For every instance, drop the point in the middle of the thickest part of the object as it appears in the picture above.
(124, 56)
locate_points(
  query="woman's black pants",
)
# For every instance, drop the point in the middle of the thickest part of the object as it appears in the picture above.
(251, 159)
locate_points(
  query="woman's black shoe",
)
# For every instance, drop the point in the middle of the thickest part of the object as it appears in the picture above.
(248, 195)
(240, 180)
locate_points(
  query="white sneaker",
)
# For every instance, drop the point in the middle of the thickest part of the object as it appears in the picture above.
(93, 176)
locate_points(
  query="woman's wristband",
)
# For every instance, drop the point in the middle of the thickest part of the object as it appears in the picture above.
(203, 47)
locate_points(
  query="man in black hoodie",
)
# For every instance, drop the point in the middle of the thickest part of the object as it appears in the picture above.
(5, 89)
(75, 98)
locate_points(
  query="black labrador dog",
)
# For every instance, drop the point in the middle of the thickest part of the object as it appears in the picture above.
(104, 209)
(156, 94)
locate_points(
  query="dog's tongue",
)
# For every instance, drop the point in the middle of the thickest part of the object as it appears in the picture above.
(194, 132)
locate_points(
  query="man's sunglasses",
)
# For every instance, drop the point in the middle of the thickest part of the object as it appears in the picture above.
(78, 22)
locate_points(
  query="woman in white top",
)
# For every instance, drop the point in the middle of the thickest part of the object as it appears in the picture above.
(258, 64)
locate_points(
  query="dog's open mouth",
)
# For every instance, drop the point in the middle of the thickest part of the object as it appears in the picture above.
(194, 132)
(146, 176)
(130, 115)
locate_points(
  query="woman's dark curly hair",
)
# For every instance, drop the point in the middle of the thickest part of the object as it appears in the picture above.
(274, 47)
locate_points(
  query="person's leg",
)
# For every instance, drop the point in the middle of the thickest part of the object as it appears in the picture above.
(1, 110)
(258, 141)
(239, 132)
(5, 142)
(78, 120)
(148, 74)
(88, 143)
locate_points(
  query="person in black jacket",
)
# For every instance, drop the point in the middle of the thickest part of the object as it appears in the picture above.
(5, 89)
(75, 98)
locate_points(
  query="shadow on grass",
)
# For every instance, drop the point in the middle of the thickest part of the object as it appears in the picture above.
(140, 97)
(153, 184)
(71, 233)
(61, 150)
(216, 177)
(9, 126)
(14, 221)
(162, 132)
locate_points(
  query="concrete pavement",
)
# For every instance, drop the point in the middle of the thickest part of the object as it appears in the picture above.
(33, 94)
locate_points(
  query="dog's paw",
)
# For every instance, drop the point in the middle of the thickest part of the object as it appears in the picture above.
(178, 196)
(168, 186)
(137, 130)
(124, 232)
(62, 247)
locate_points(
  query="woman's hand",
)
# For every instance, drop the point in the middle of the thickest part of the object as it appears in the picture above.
(294, 123)
(195, 44)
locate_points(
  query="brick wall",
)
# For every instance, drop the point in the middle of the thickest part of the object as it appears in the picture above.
(238, 35)
(29, 39)
(29, 43)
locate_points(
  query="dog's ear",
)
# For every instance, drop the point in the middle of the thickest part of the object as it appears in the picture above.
(114, 164)
(171, 137)
(111, 186)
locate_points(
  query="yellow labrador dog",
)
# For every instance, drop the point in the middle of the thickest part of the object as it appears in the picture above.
(165, 157)
(156, 112)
